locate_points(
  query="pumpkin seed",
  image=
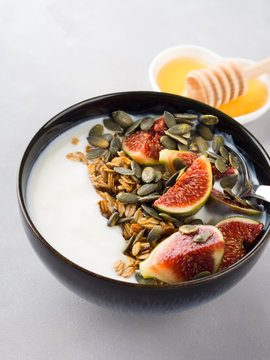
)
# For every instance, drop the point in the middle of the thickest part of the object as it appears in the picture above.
(171, 181)
(209, 120)
(133, 127)
(228, 181)
(158, 176)
(147, 189)
(154, 234)
(107, 137)
(122, 118)
(220, 165)
(200, 275)
(111, 125)
(205, 132)
(107, 156)
(179, 129)
(214, 155)
(129, 244)
(96, 130)
(182, 147)
(188, 229)
(125, 219)
(187, 135)
(113, 219)
(234, 161)
(139, 236)
(203, 237)
(148, 174)
(135, 167)
(186, 116)
(228, 192)
(217, 143)
(241, 201)
(141, 280)
(178, 163)
(193, 147)
(178, 138)
(184, 121)
(123, 171)
(169, 119)
(211, 160)
(95, 153)
(175, 221)
(196, 222)
(150, 211)
(98, 141)
(127, 198)
(149, 198)
(224, 153)
(201, 144)
(116, 144)
(147, 123)
(168, 143)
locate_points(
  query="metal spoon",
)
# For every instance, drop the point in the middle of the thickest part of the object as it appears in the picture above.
(247, 189)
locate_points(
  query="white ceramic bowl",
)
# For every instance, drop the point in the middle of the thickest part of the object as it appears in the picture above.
(212, 59)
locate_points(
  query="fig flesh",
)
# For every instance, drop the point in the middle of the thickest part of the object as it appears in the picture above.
(190, 191)
(239, 234)
(144, 146)
(180, 258)
(166, 158)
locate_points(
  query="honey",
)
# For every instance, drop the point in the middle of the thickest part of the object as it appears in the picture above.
(171, 78)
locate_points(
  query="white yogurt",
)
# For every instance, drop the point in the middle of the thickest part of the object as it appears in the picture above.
(63, 206)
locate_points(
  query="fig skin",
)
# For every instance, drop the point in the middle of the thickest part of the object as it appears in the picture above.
(239, 233)
(179, 258)
(196, 181)
(167, 156)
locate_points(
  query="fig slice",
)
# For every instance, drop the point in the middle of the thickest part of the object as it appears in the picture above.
(190, 192)
(233, 204)
(180, 258)
(144, 146)
(239, 234)
(219, 175)
(166, 158)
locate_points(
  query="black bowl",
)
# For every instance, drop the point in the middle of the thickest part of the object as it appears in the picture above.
(117, 294)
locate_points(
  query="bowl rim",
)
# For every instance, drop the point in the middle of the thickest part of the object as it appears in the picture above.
(213, 56)
(27, 218)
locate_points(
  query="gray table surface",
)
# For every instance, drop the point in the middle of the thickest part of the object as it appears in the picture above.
(54, 54)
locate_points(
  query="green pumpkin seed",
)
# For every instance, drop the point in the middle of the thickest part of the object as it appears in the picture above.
(107, 156)
(147, 123)
(168, 143)
(133, 127)
(178, 138)
(224, 153)
(205, 132)
(129, 245)
(148, 174)
(149, 198)
(123, 171)
(179, 129)
(96, 130)
(107, 137)
(147, 189)
(116, 144)
(187, 135)
(113, 219)
(234, 161)
(127, 198)
(178, 163)
(218, 141)
(182, 147)
(184, 121)
(196, 222)
(201, 275)
(135, 167)
(158, 176)
(139, 236)
(169, 119)
(193, 147)
(122, 119)
(228, 181)
(171, 181)
(141, 280)
(125, 219)
(201, 144)
(98, 141)
(186, 116)
(203, 237)
(209, 120)
(188, 229)
(95, 153)
(150, 211)
(220, 165)
(155, 233)
(167, 217)
(112, 125)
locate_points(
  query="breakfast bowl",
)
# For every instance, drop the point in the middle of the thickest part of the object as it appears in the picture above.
(238, 109)
(70, 263)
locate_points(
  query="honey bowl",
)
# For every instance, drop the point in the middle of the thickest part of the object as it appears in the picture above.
(169, 69)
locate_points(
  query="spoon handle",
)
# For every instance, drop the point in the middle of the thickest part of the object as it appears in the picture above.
(262, 192)
(257, 69)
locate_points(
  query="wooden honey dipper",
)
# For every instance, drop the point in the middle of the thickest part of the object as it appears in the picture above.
(219, 84)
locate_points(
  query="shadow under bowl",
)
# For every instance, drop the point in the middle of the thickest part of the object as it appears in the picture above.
(121, 295)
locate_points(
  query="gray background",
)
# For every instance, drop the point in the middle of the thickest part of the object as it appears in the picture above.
(54, 54)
